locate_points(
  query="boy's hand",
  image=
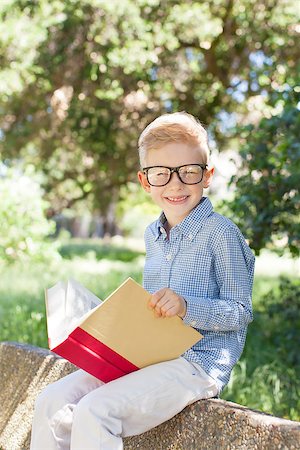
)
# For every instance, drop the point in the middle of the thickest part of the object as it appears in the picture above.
(166, 303)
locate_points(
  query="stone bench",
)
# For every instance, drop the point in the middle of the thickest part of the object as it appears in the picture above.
(207, 424)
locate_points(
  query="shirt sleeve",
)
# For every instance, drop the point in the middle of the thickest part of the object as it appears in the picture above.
(232, 310)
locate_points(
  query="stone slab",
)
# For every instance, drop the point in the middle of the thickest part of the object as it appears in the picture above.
(205, 425)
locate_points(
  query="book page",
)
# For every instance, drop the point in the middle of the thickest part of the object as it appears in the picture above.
(67, 304)
(55, 305)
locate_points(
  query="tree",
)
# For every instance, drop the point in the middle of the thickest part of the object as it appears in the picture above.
(80, 79)
(267, 198)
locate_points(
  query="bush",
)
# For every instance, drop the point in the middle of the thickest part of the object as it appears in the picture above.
(23, 224)
(268, 375)
(267, 198)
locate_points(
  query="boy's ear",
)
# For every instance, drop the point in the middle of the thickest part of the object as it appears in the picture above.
(143, 180)
(208, 174)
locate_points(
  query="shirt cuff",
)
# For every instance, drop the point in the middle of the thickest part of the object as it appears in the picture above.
(193, 307)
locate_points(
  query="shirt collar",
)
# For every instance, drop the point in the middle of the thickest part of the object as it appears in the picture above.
(191, 224)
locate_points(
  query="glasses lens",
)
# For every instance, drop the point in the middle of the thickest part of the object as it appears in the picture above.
(191, 174)
(158, 176)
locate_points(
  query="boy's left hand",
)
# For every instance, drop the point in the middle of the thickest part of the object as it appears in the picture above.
(166, 303)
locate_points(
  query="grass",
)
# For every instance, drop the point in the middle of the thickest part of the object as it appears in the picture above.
(266, 378)
(98, 250)
(22, 307)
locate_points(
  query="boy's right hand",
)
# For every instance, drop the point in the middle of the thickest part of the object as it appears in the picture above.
(166, 303)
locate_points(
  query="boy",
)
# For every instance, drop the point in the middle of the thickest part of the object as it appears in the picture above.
(199, 267)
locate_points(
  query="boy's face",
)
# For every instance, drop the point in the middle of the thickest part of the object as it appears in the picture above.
(176, 198)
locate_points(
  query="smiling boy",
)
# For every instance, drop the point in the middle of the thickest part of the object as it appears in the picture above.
(176, 195)
(199, 267)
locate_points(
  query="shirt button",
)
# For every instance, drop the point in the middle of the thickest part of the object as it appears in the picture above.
(190, 236)
(169, 257)
(162, 229)
(193, 323)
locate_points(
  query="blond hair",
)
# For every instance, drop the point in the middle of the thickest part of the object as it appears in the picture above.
(174, 127)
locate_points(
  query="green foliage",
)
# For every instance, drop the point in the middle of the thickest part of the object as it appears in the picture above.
(269, 372)
(100, 73)
(284, 315)
(267, 198)
(24, 227)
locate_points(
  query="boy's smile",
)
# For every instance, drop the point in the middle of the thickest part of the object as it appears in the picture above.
(176, 198)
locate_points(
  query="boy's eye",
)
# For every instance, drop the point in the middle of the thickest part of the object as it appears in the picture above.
(190, 170)
(161, 172)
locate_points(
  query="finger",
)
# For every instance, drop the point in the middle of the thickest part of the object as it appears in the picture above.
(168, 305)
(156, 297)
(162, 302)
(171, 311)
(160, 307)
(152, 301)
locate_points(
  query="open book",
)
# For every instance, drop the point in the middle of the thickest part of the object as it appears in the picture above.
(117, 336)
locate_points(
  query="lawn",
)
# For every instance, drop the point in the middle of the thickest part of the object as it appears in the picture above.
(266, 378)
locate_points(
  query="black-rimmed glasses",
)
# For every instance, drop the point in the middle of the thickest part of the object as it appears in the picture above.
(187, 174)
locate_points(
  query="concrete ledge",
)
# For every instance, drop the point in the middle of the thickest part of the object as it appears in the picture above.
(205, 425)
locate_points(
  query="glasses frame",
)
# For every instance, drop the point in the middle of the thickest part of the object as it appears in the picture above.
(173, 170)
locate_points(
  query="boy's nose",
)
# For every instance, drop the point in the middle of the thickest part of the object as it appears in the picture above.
(174, 179)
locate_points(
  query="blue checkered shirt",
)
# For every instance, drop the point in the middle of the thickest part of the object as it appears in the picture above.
(207, 261)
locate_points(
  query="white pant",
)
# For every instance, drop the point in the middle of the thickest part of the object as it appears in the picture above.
(79, 412)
